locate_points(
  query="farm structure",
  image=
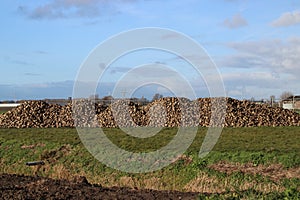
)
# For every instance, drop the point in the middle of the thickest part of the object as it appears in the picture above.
(8, 106)
(292, 102)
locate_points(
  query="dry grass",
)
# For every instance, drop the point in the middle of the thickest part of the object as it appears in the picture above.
(272, 150)
(147, 183)
(275, 172)
(154, 183)
(127, 181)
(205, 183)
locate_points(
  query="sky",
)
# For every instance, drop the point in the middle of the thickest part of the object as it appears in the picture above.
(255, 45)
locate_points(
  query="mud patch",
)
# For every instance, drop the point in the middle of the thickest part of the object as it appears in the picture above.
(275, 172)
(29, 187)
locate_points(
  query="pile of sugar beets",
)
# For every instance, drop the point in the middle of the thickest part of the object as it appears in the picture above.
(164, 112)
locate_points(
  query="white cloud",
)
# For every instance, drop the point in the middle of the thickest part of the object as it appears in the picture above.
(287, 19)
(262, 68)
(276, 55)
(73, 8)
(260, 85)
(236, 21)
(243, 60)
(264, 79)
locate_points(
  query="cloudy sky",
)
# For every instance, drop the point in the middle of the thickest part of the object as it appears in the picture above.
(254, 44)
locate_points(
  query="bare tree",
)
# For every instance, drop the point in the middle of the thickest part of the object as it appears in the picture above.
(108, 98)
(157, 96)
(285, 95)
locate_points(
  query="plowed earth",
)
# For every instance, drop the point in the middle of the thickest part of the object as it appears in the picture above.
(29, 187)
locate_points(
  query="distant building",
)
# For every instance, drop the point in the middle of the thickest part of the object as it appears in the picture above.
(8, 106)
(292, 102)
(260, 102)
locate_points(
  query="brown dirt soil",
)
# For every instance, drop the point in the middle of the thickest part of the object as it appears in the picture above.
(33, 187)
(275, 172)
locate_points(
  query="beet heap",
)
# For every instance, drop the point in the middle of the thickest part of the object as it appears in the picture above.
(167, 112)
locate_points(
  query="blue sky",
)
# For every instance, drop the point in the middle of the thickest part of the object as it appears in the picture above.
(255, 44)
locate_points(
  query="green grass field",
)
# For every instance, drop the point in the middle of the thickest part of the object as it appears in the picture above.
(260, 162)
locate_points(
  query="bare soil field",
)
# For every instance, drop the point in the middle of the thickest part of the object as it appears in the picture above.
(34, 187)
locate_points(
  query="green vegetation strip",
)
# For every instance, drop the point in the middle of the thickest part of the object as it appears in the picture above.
(66, 157)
